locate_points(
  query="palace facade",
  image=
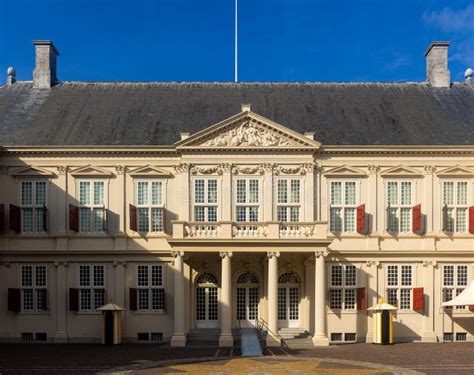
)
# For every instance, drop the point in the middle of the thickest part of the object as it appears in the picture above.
(206, 207)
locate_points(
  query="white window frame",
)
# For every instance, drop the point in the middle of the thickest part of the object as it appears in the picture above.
(343, 287)
(399, 206)
(91, 287)
(34, 288)
(206, 203)
(455, 206)
(343, 206)
(400, 286)
(455, 289)
(247, 205)
(91, 206)
(289, 205)
(150, 287)
(149, 205)
(36, 227)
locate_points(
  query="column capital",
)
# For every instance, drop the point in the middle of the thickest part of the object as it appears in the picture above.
(272, 254)
(60, 263)
(371, 263)
(176, 254)
(318, 254)
(119, 263)
(224, 254)
(427, 263)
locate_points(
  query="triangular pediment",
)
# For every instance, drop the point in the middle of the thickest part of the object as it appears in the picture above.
(32, 172)
(149, 171)
(91, 171)
(247, 130)
(456, 171)
(345, 171)
(401, 171)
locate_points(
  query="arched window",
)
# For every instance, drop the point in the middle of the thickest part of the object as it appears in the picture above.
(247, 278)
(206, 278)
(288, 278)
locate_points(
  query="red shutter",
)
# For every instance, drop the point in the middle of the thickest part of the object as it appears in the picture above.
(471, 219)
(2, 217)
(15, 218)
(361, 300)
(471, 308)
(418, 299)
(361, 218)
(45, 219)
(416, 217)
(14, 299)
(163, 211)
(133, 299)
(74, 218)
(73, 299)
(133, 218)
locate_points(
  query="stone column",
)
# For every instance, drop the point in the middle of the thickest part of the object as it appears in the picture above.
(226, 338)
(61, 335)
(428, 334)
(272, 338)
(179, 338)
(371, 294)
(320, 336)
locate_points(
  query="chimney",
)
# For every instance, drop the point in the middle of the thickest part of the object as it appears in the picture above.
(184, 135)
(11, 78)
(44, 75)
(437, 72)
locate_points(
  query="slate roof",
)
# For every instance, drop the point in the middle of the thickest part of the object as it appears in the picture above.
(81, 113)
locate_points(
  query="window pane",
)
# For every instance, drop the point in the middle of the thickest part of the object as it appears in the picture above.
(212, 214)
(27, 276)
(449, 225)
(157, 302)
(142, 279)
(156, 193)
(349, 299)
(40, 276)
(448, 192)
(84, 276)
(393, 220)
(349, 219)
(26, 193)
(253, 213)
(405, 193)
(85, 219)
(156, 276)
(294, 214)
(39, 213)
(392, 193)
(336, 275)
(142, 192)
(253, 191)
(350, 193)
(392, 297)
(27, 220)
(282, 214)
(336, 220)
(143, 302)
(406, 275)
(85, 299)
(295, 191)
(143, 220)
(27, 297)
(99, 220)
(40, 193)
(98, 192)
(99, 298)
(241, 191)
(241, 214)
(335, 299)
(405, 220)
(448, 275)
(336, 192)
(99, 277)
(41, 302)
(282, 194)
(461, 214)
(462, 276)
(198, 191)
(157, 220)
(212, 191)
(350, 276)
(405, 298)
(199, 214)
(84, 193)
(462, 193)
(392, 276)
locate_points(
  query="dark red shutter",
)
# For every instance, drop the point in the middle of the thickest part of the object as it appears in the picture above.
(106, 220)
(361, 300)
(14, 299)
(471, 219)
(418, 299)
(74, 218)
(73, 299)
(133, 218)
(15, 218)
(445, 218)
(163, 211)
(471, 308)
(361, 218)
(2, 217)
(416, 217)
(45, 219)
(133, 299)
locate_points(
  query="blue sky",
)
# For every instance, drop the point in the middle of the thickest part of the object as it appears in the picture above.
(279, 40)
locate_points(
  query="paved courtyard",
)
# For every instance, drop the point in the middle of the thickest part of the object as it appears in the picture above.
(413, 358)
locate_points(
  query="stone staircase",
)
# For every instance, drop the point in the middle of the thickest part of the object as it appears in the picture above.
(203, 337)
(296, 338)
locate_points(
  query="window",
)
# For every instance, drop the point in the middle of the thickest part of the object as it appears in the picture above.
(92, 218)
(342, 292)
(454, 282)
(91, 287)
(247, 200)
(150, 285)
(150, 206)
(205, 200)
(342, 215)
(33, 206)
(455, 207)
(34, 288)
(288, 199)
(399, 286)
(399, 197)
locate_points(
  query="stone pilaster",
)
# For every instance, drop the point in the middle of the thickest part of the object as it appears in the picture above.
(61, 335)
(428, 334)
(226, 338)
(320, 332)
(272, 337)
(179, 337)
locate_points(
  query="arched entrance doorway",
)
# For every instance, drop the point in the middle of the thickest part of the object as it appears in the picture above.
(207, 307)
(248, 295)
(288, 300)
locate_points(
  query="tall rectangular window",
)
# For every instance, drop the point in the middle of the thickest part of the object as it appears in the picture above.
(34, 290)
(455, 206)
(150, 206)
(247, 202)
(399, 201)
(92, 212)
(343, 204)
(288, 199)
(343, 287)
(205, 199)
(91, 287)
(454, 282)
(33, 199)
(399, 280)
(150, 285)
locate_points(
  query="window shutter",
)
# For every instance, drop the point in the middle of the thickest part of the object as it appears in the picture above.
(14, 299)
(15, 218)
(2, 217)
(133, 218)
(471, 219)
(445, 217)
(471, 308)
(361, 300)
(45, 219)
(73, 299)
(106, 220)
(361, 218)
(133, 299)
(73, 218)
(163, 212)
(387, 218)
(418, 299)
(416, 218)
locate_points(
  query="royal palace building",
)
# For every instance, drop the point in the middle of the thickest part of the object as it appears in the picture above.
(202, 208)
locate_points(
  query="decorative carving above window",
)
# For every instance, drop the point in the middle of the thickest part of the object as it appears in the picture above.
(206, 278)
(258, 169)
(301, 169)
(288, 278)
(206, 170)
(247, 278)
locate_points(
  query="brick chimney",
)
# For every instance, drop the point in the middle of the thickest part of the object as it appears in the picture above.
(437, 72)
(44, 75)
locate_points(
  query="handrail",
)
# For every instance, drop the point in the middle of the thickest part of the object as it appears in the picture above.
(261, 324)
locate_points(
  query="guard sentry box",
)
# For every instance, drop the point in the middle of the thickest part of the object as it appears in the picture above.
(383, 323)
(111, 323)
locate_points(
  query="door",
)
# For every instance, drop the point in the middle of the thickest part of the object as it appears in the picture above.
(288, 301)
(248, 296)
(109, 328)
(207, 315)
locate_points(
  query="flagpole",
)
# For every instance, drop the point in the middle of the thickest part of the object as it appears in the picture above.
(236, 51)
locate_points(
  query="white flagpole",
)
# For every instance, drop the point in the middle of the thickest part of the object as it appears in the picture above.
(236, 51)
